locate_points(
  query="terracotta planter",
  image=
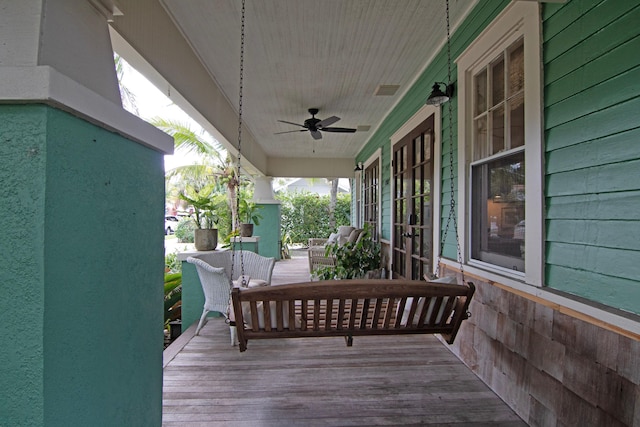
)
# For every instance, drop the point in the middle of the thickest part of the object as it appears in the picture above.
(206, 240)
(246, 230)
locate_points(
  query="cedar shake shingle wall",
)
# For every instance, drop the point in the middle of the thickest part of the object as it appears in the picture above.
(551, 368)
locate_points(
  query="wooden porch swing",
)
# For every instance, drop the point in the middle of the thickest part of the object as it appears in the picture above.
(351, 308)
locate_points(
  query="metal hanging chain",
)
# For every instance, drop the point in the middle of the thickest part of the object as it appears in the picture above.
(452, 208)
(237, 171)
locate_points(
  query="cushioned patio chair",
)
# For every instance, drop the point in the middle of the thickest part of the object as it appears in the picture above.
(214, 270)
(317, 246)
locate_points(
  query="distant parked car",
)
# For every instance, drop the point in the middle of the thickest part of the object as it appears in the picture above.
(170, 224)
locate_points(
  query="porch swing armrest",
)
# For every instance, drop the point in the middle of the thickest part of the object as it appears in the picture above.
(460, 313)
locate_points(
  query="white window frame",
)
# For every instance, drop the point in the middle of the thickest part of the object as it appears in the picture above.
(519, 19)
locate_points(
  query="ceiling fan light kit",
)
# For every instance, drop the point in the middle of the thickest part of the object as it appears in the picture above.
(315, 126)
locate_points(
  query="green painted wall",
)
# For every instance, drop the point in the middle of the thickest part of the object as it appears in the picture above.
(269, 231)
(592, 106)
(85, 245)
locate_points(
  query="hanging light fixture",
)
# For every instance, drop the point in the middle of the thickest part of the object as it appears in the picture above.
(437, 96)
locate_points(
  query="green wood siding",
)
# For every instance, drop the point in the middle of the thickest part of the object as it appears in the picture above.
(592, 150)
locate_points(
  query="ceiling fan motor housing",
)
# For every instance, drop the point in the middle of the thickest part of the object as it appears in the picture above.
(311, 123)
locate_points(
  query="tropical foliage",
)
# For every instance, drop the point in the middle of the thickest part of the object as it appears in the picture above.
(353, 260)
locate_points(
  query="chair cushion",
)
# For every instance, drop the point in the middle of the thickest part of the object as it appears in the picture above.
(249, 282)
(333, 238)
(345, 230)
(256, 283)
(353, 236)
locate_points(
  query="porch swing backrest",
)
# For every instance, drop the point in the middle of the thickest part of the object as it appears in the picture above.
(351, 308)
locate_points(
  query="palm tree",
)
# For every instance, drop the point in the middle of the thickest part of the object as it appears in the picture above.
(217, 163)
(332, 203)
(126, 96)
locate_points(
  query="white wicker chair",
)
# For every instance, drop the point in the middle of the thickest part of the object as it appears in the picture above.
(214, 270)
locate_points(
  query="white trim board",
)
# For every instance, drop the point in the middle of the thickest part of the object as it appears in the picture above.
(44, 84)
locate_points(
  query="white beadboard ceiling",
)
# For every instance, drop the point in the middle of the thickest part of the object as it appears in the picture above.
(325, 54)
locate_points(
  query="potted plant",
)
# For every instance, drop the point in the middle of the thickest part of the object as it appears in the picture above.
(353, 260)
(248, 215)
(204, 217)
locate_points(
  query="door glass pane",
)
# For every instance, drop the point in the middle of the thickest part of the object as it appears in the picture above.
(427, 147)
(415, 269)
(426, 220)
(426, 244)
(480, 93)
(404, 157)
(497, 73)
(516, 111)
(417, 149)
(497, 135)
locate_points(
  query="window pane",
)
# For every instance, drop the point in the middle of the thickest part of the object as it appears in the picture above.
(497, 135)
(498, 203)
(516, 69)
(480, 93)
(497, 73)
(516, 112)
(480, 138)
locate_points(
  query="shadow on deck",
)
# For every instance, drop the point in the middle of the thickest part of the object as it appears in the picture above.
(394, 380)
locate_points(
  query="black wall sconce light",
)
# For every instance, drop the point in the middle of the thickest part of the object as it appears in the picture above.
(358, 167)
(437, 96)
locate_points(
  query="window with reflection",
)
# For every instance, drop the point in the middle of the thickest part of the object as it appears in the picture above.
(498, 161)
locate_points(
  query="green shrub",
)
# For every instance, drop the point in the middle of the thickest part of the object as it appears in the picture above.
(184, 230)
(305, 215)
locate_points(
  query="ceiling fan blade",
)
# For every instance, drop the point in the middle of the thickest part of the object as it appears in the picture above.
(290, 131)
(315, 134)
(339, 130)
(291, 123)
(327, 122)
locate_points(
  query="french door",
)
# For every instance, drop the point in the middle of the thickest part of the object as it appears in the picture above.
(371, 202)
(412, 249)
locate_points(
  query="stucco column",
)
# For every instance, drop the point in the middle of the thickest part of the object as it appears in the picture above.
(269, 228)
(83, 199)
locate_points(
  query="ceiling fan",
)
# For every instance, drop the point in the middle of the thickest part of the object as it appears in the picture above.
(314, 125)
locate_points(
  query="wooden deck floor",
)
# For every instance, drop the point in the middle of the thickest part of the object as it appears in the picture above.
(396, 380)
